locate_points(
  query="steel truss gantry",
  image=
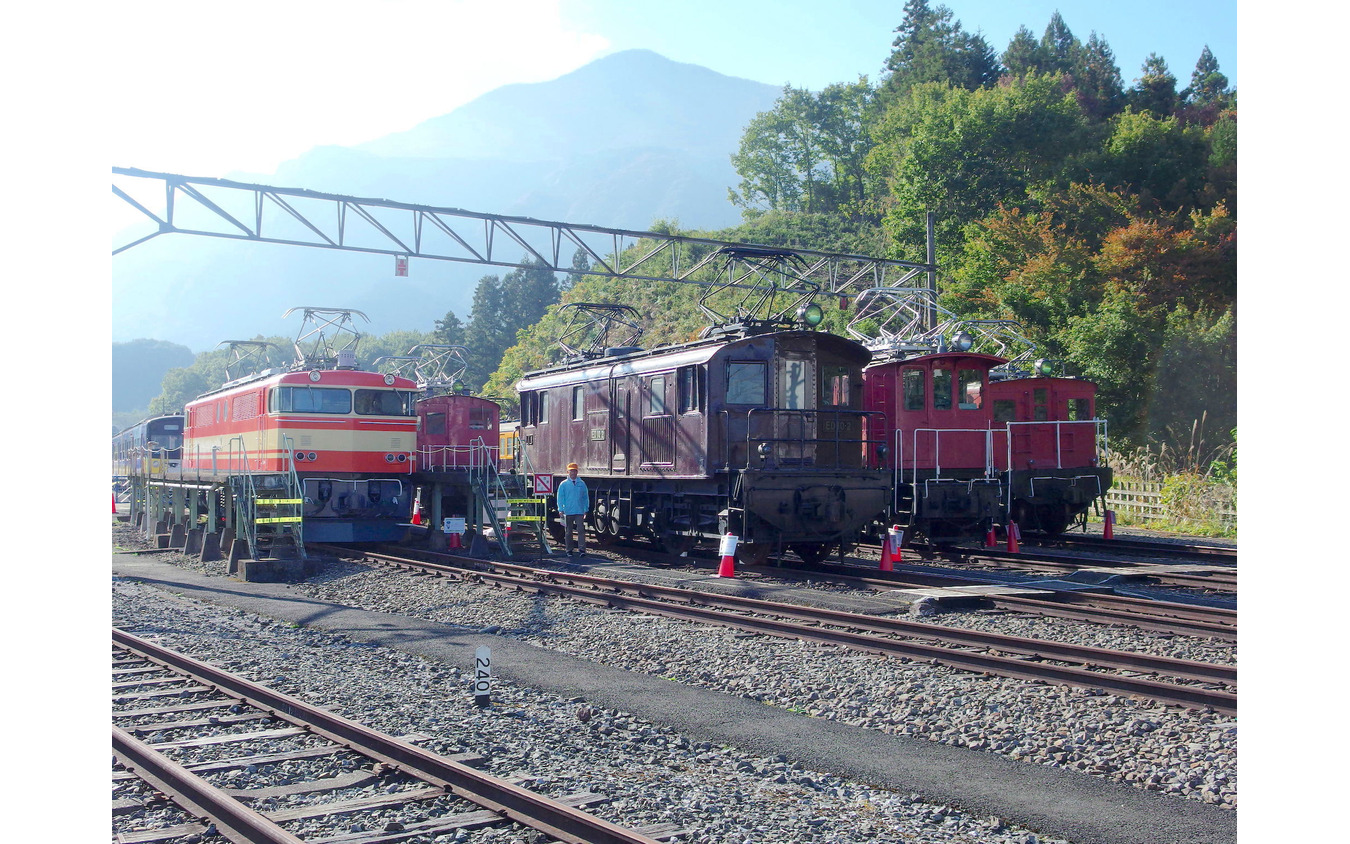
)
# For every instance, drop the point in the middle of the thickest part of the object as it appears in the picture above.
(299, 217)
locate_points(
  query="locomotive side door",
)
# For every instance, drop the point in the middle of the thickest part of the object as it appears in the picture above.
(620, 421)
(795, 423)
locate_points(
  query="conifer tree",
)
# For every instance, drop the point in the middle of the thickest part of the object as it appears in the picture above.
(1208, 86)
(1100, 89)
(1059, 48)
(930, 46)
(1156, 90)
(1023, 55)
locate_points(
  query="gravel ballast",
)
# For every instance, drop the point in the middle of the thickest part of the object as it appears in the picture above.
(654, 774)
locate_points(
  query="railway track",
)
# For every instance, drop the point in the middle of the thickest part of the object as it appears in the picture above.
(1092, 606)
(1173, 681)
(168, 692)
(1214, 576)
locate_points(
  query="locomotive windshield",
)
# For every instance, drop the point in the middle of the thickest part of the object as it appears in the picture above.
(745, 383)
(311, 400)
(167, 434)
(384, 403)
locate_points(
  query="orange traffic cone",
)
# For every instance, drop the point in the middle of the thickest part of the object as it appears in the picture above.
(455, 542)
(1014, 534)
(1109, 524)
(885, 564)
(728, 552)
(990, 540)
(114, 504)
(417, 511)
(897, 545)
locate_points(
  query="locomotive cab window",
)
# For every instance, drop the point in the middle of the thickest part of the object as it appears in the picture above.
(969, 383)
(435, 424)
(383, 403)
(1040, 398)
(657, 407)
(915, 397)
(541, 407)
(942, 389)
(1005, 410)
(578, 403)
(745, 383)
(835, 387)
(1079, 410)
(310, 400)
(795, 392)
(691, 389)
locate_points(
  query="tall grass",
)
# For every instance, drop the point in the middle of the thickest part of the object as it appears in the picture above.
(1198, 478)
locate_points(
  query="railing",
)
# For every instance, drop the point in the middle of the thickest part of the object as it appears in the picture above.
(1099, 438)
(446, 458)
(767, 448)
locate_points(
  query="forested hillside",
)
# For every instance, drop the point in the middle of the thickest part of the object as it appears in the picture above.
(1102, 217)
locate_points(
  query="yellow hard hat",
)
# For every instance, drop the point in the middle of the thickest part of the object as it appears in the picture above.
(571, 466)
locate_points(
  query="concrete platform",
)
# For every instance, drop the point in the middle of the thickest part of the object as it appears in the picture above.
(1054, 802)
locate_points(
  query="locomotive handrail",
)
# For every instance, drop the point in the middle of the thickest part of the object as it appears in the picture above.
(937, 433)
(1099, 438)
(775, 413)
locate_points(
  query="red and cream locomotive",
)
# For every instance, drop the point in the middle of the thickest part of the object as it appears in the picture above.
(346, 437)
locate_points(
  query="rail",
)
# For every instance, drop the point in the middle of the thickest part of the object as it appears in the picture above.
(507, 800)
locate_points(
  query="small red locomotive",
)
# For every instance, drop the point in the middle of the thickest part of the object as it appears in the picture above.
(975, 439)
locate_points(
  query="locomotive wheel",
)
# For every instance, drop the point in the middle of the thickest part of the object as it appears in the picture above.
(674, 543)
(753, 553)
(810, 552)
(605, 525)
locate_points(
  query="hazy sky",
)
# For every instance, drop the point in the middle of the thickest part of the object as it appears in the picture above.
(206, 89)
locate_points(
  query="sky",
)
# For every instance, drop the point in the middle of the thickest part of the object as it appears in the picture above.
(207, 89)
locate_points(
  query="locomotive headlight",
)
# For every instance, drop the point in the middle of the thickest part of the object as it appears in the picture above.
(810, 315)
(314, 375)
(882, 451)
(1044, 367)
(389, 379)
(459, 387)
(962, 342)
(764, 451)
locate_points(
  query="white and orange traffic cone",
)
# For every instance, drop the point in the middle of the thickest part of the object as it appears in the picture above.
(890, 548)
(990, 539)
(417, 511)
(1109, 524)
(1014, 534)
(728, 551)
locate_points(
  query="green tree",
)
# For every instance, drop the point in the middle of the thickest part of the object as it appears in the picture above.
(961, 153)
(1155, 91)
(1101, 92)
(1196, 373)
(1161, 159)
(1060, 50)
(449, 330)
(1208, 86)
(1023, 54)
(930, 46)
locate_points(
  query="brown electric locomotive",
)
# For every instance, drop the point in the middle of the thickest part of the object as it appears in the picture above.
(761, 435)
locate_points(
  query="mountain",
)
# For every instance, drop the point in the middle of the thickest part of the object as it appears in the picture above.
(625, 141)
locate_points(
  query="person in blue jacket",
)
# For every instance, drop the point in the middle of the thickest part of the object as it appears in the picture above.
(573, 502)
